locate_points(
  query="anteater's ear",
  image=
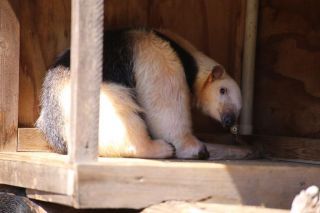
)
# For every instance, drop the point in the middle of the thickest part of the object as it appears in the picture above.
(217, 72)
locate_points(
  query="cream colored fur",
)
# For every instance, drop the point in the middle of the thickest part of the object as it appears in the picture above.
(122, 133)
(165, 100)
(167, 105)
(207, 97)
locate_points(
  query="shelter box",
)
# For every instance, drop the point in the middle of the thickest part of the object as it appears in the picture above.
(285, 112)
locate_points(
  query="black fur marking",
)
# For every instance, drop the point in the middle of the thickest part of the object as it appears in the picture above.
(62, 60)
(117, 58)
(187, 60)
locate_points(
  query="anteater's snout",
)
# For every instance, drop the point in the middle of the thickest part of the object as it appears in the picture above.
(228, 120)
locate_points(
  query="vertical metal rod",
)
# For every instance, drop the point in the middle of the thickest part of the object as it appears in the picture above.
(248, 66)
(86, 75)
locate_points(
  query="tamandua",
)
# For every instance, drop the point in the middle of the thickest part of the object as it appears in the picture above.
(150, 80)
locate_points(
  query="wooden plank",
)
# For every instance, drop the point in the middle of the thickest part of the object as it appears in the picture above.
(9, 76)
(287, 147)
(183, 207)
(42, 40)
(32, 140)
(137, 183)
(42, 171)
(50, 197)
(86, 76)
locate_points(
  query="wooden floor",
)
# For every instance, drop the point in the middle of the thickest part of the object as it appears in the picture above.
(184, 207)
(138, 183)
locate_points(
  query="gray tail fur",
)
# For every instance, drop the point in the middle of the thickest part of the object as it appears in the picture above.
(51, 121)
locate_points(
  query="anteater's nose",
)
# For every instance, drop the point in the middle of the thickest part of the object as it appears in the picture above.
(228, 120)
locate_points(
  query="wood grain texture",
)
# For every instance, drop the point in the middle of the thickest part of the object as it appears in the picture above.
(288, 147)
(287, 92)
(32, 140)
(86, 77)
(50, 197)
(215, 27)
(45, 32)
(271, 147)
(39, 171)
(137, 183)
(185, 207)
(9, 76)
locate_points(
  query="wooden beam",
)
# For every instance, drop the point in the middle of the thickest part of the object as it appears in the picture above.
(9, 76)
(182, 207)
(137, 183)
(32, 140)
(50, 197)
(41, 171)
(86, 69)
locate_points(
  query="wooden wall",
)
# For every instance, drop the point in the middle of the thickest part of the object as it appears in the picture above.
(287, 87)
(9, 75)
(45, 31)
(214, 26)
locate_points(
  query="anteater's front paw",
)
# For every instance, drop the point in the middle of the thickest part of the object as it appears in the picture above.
(192, 148)
(162, 149)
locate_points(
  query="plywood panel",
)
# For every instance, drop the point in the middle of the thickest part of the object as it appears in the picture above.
(215, 27)
(45, 32)
(9, 76)
(287, 95)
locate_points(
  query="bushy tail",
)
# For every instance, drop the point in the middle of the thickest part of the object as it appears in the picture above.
(51, 121)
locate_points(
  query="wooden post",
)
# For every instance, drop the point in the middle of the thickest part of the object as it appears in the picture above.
(86, 74)
(9, 76)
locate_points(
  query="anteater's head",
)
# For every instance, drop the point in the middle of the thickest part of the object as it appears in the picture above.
(219, 96)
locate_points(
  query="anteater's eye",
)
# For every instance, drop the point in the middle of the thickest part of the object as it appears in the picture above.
(223, 90)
